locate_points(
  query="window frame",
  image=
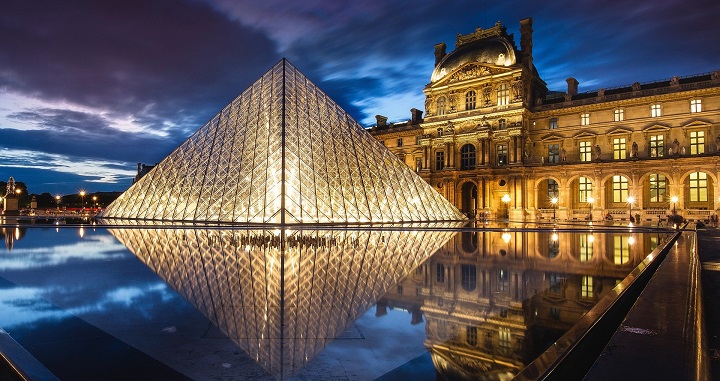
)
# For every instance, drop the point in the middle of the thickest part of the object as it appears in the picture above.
(553, 124)
(657, 186)
(695, 105)
(584, 189)
(554, 153)
(502, 153)
(619, 115)
(470, 100)
(468, 159)
(698, 186)
(656, 142)
(619, 148)
(503, 95)
(585, 148)
(620, 188)
(585, 119)
(655, 110)
(697, 142)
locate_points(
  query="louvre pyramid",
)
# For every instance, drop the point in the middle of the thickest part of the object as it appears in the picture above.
(282, 296)
(284, 153)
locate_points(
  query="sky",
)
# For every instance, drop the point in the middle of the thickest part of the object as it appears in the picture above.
(89, 88)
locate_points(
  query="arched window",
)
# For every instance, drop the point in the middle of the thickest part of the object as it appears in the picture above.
(467, 157)
(470, 100)
(440, 110)
(584, 189)
(503, 95)
(658, 187)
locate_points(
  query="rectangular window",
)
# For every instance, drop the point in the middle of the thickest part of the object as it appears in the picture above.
(504, 338)
(586, 247)
(399, 142)
(586, 288)
(584, 119)
(619, 149)
(439, 160)
(698, 187)
(620, 188)
(697, 142)
(584, 188)
(554, 153)
(585, 151)
(418, 164)
(552, 189)
(658, 185)
(619, 115)
(655, 111)
(657, 146)
(440, 273)
(503, 95)
(696, 105)
(471, 335)
(502, 124)
(502, 154)
(553, 123)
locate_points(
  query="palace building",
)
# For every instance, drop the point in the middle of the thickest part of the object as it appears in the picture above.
(497, 143)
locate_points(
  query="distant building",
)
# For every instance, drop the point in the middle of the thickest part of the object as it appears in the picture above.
(495, 142)
(142, 170)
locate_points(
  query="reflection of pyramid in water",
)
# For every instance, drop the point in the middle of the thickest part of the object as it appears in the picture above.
(282, 152)
(282, 300)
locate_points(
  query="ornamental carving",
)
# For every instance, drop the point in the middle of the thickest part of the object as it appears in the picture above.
(469, 72)
(486, 94)
(479, 34)
(517, 89)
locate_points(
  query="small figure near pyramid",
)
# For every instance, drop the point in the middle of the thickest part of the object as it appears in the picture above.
(282, 153)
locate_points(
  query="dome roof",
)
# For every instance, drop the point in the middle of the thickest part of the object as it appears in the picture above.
(494, 51)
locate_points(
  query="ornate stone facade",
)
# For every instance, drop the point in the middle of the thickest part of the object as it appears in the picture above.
(492, 131)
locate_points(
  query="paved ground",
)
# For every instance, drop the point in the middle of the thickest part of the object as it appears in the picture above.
(709, 251)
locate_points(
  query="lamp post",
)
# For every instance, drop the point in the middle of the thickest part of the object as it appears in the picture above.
(674, 200)
(630, 201)
(95, 202)
(506, 199)
(590, 201)
(82, 197)
(554, 202)
(57, 200)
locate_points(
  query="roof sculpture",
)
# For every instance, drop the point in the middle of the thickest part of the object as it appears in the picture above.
(282, 153)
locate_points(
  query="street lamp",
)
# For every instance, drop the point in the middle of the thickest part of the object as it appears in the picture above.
(506, 199)
(82, 197)
(674, 200)
(57, 200)
(554, 202)
(590, 201)
(630, 201)
(95, 202)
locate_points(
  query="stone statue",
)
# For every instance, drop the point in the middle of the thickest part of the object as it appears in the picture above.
(486, 92)
(597, 152)
(634, 150)
(717, 144)
(10, 187)
(517, 88)
(675, 81)
(563, 154)
(675, 147)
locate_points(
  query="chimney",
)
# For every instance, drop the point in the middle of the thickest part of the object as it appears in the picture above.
(439, 52)
(416, 116)
(381, 120)
(572, 86)
(526, 43)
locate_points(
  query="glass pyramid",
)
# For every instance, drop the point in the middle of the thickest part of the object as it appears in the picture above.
(283, 295)
(282, 152)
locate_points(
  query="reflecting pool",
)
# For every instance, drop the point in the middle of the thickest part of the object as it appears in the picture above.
(208, 303)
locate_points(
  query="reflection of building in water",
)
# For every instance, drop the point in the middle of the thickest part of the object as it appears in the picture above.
(12, 234)
(493, 301)
(281, 295)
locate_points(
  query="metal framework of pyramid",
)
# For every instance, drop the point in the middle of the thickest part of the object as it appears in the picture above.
(282, 153)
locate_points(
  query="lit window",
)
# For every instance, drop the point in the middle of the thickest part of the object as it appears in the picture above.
(440, 274)
(503, 95)
(553, 123)
(467, 157)
(503, 281)
(586, 247)
(470, 99)
(552, 189)
(620, 188)
(504, 338)
(584, 119)
(655, 111)
(554, 153)
(502, 154)
(698, 187)
(657, 146)
(619, 149)
(399, 142)
(697, 142)
(471, 336)
(439, 160)
(585, 151)
(468, 277)
(418, 164)
(696, 105)
(440, 110)
(584, 188)
(619, 115)
(586, 288)
(621, 249)
(658, 184)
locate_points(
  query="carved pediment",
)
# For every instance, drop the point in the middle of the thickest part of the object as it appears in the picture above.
(696, 124)
(551, 137)
(472, 71)
(619, 131)
(585, 135)
(657, 128)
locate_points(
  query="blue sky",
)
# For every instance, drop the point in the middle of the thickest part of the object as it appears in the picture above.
(88, 89)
